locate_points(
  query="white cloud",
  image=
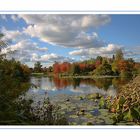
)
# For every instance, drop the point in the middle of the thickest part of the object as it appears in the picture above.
(24, 50)
(15, 18)
(2, 16)
(93, 52)
(66, 30)
(12, 35)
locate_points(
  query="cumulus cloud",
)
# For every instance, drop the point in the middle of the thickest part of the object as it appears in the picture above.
(15, 18)
(23, 50)
(28, 51)
(13, 35)
(66, 30)
(2, 16)
(54, 57)
(93, 52)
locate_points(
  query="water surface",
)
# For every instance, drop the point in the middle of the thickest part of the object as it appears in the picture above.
(55, 85)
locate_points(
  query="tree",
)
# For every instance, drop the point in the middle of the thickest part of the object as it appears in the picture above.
(75, 69)
(98, 63)
(56, 68)
(104, 69)
(113, 57)
(126, 67)
(115, 68)
(37, 67)
(2, 43)
(119, 55)
(64, 67)
(99, 58)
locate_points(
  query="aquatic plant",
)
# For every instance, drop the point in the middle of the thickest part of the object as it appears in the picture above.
(43, 113)
(126, 105)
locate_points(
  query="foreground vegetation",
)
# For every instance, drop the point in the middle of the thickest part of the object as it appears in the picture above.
(14, 107)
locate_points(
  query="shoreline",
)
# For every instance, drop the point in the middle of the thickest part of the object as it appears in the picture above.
(75, 77)
(89, 76)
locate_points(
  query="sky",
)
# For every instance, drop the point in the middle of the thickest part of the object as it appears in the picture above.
(48, 38)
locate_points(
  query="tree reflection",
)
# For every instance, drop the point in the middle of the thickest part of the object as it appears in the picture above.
(101, 83)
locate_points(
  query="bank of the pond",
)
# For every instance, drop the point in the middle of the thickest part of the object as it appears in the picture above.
(126, 105)
(37, 74)
(89, 76)
(74, 76)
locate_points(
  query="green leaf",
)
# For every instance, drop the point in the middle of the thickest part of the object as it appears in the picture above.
(135, 113)
(128, 115)
(102, 103)
(121, 100)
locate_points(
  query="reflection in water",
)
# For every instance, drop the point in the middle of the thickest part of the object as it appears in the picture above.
(56, 85)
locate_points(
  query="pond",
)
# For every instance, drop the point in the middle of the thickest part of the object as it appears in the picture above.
(76, 97)
(54, 85)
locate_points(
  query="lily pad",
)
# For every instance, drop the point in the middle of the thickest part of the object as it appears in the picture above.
(73, 116)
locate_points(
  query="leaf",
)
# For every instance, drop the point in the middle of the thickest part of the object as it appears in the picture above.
(102, 103)
(121, 100)
(135, 113)
(128, 115)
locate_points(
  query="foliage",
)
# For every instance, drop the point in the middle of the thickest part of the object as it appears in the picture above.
(115, 66)
(104, 69)
(37, 67)
(14, 69)
(119, 55)
(44, 113)
(3, 44)
(10, 89)
(126, 109)
(126, 104)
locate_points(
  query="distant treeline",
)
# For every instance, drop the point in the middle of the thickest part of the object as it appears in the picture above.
(100, 66)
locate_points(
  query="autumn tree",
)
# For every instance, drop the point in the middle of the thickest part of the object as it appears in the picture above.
(75, 69)
(64, 67)
(126, 67)
(56, 68)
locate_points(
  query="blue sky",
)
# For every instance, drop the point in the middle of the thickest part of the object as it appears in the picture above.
(49, 38)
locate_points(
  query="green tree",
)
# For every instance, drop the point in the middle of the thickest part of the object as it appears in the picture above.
(37, 67)
(115, 68)
(99, 58)
(104, 69)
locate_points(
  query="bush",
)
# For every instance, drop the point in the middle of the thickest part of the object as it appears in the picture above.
(125, 74)
(104, 69)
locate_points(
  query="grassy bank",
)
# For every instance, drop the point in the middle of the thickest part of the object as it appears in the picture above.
(88, 76)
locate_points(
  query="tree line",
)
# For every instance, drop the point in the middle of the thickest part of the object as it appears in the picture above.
(100, 66)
